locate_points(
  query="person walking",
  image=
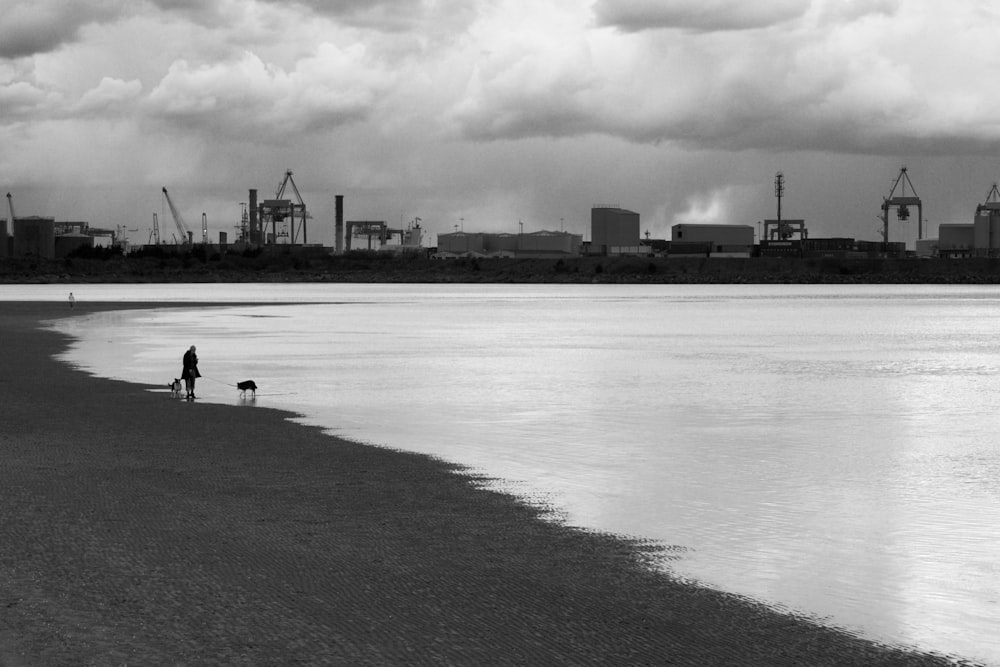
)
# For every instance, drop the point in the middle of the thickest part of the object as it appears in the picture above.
(190, 371)
(72, 300)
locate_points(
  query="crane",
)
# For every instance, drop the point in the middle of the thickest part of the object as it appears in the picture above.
(178, 219)
(902, 202)
(291, 208)
(154, 235)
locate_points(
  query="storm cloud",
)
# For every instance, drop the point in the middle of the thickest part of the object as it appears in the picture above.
(496, 111)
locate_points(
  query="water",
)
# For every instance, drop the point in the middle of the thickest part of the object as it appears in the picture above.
(828, 450)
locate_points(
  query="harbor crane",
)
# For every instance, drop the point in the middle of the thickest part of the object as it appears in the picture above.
(992, 202)
(186, 236)
(281, 208)
(902, 202)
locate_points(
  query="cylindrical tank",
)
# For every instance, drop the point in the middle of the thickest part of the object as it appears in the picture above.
(35, 236)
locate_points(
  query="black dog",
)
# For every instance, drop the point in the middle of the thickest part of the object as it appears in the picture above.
(247, 385)
(175, 387)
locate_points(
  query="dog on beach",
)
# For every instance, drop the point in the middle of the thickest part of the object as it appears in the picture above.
(247, 385)
(175, 388)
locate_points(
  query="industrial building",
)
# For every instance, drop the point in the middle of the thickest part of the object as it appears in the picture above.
(956, 241)
(542, 244)
(614, 231)
(986, 225)
(715, 240)
(981, 238)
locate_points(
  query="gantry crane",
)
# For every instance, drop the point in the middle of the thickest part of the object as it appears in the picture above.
(279, 209)
(186, 236)
(902, 202)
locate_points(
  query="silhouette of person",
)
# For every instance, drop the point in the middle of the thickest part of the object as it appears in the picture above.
(190, 370)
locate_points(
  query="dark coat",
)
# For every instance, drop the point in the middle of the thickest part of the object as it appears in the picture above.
(190, 369)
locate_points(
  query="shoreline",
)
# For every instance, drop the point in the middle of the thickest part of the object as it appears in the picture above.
(138, 529)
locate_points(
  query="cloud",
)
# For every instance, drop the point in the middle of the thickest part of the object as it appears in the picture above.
(389, 16)
(848, 11)
(716, 206)
(111, 96)
(844, 77)
(41, 26)
(332, 87)
(22, 101)
(696, 15)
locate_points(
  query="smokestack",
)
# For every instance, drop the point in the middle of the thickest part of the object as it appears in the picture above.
(339, 224)
(254, 228)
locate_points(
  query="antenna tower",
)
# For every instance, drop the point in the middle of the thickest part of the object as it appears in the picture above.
(779, 190)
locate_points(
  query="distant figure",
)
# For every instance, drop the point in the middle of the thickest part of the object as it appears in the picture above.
(72, 300)
(190, 371)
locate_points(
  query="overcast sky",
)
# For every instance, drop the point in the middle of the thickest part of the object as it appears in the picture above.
(484, 113)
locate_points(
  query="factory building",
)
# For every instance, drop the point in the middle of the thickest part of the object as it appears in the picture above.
(986, 230)
(714, 240)
(536, 244)
(979, 239)
(615, 231)
(956, 240)
(462, 243)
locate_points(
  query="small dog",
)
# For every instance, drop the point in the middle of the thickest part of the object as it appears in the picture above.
(175, 388)
(247, 385)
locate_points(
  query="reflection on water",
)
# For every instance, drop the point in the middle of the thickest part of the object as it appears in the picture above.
(827, 449)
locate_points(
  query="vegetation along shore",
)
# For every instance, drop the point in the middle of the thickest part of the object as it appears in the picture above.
(363, 266)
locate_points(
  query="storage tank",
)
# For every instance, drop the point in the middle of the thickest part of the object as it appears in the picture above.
(35, 236)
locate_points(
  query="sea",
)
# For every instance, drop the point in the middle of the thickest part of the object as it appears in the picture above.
(829, 450)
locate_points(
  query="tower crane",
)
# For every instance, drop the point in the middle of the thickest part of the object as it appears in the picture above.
(186, 236)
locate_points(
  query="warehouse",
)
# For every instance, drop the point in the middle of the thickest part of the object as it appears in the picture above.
(716, 240)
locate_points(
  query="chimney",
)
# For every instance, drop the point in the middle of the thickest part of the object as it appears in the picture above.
(255, 236)
(339, 224)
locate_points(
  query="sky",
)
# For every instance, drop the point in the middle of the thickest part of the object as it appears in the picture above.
(500, 115)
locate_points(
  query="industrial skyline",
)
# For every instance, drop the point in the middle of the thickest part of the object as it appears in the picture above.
(498, 113)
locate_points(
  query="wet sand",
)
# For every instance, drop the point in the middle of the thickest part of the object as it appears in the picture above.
(140, 529)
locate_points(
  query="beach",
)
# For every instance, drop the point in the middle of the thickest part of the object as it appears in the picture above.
(140, 529)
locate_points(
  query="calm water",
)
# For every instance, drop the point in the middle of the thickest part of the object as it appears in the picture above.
(829, 450)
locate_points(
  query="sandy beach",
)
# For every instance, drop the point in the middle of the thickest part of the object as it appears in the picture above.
(140, 529)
